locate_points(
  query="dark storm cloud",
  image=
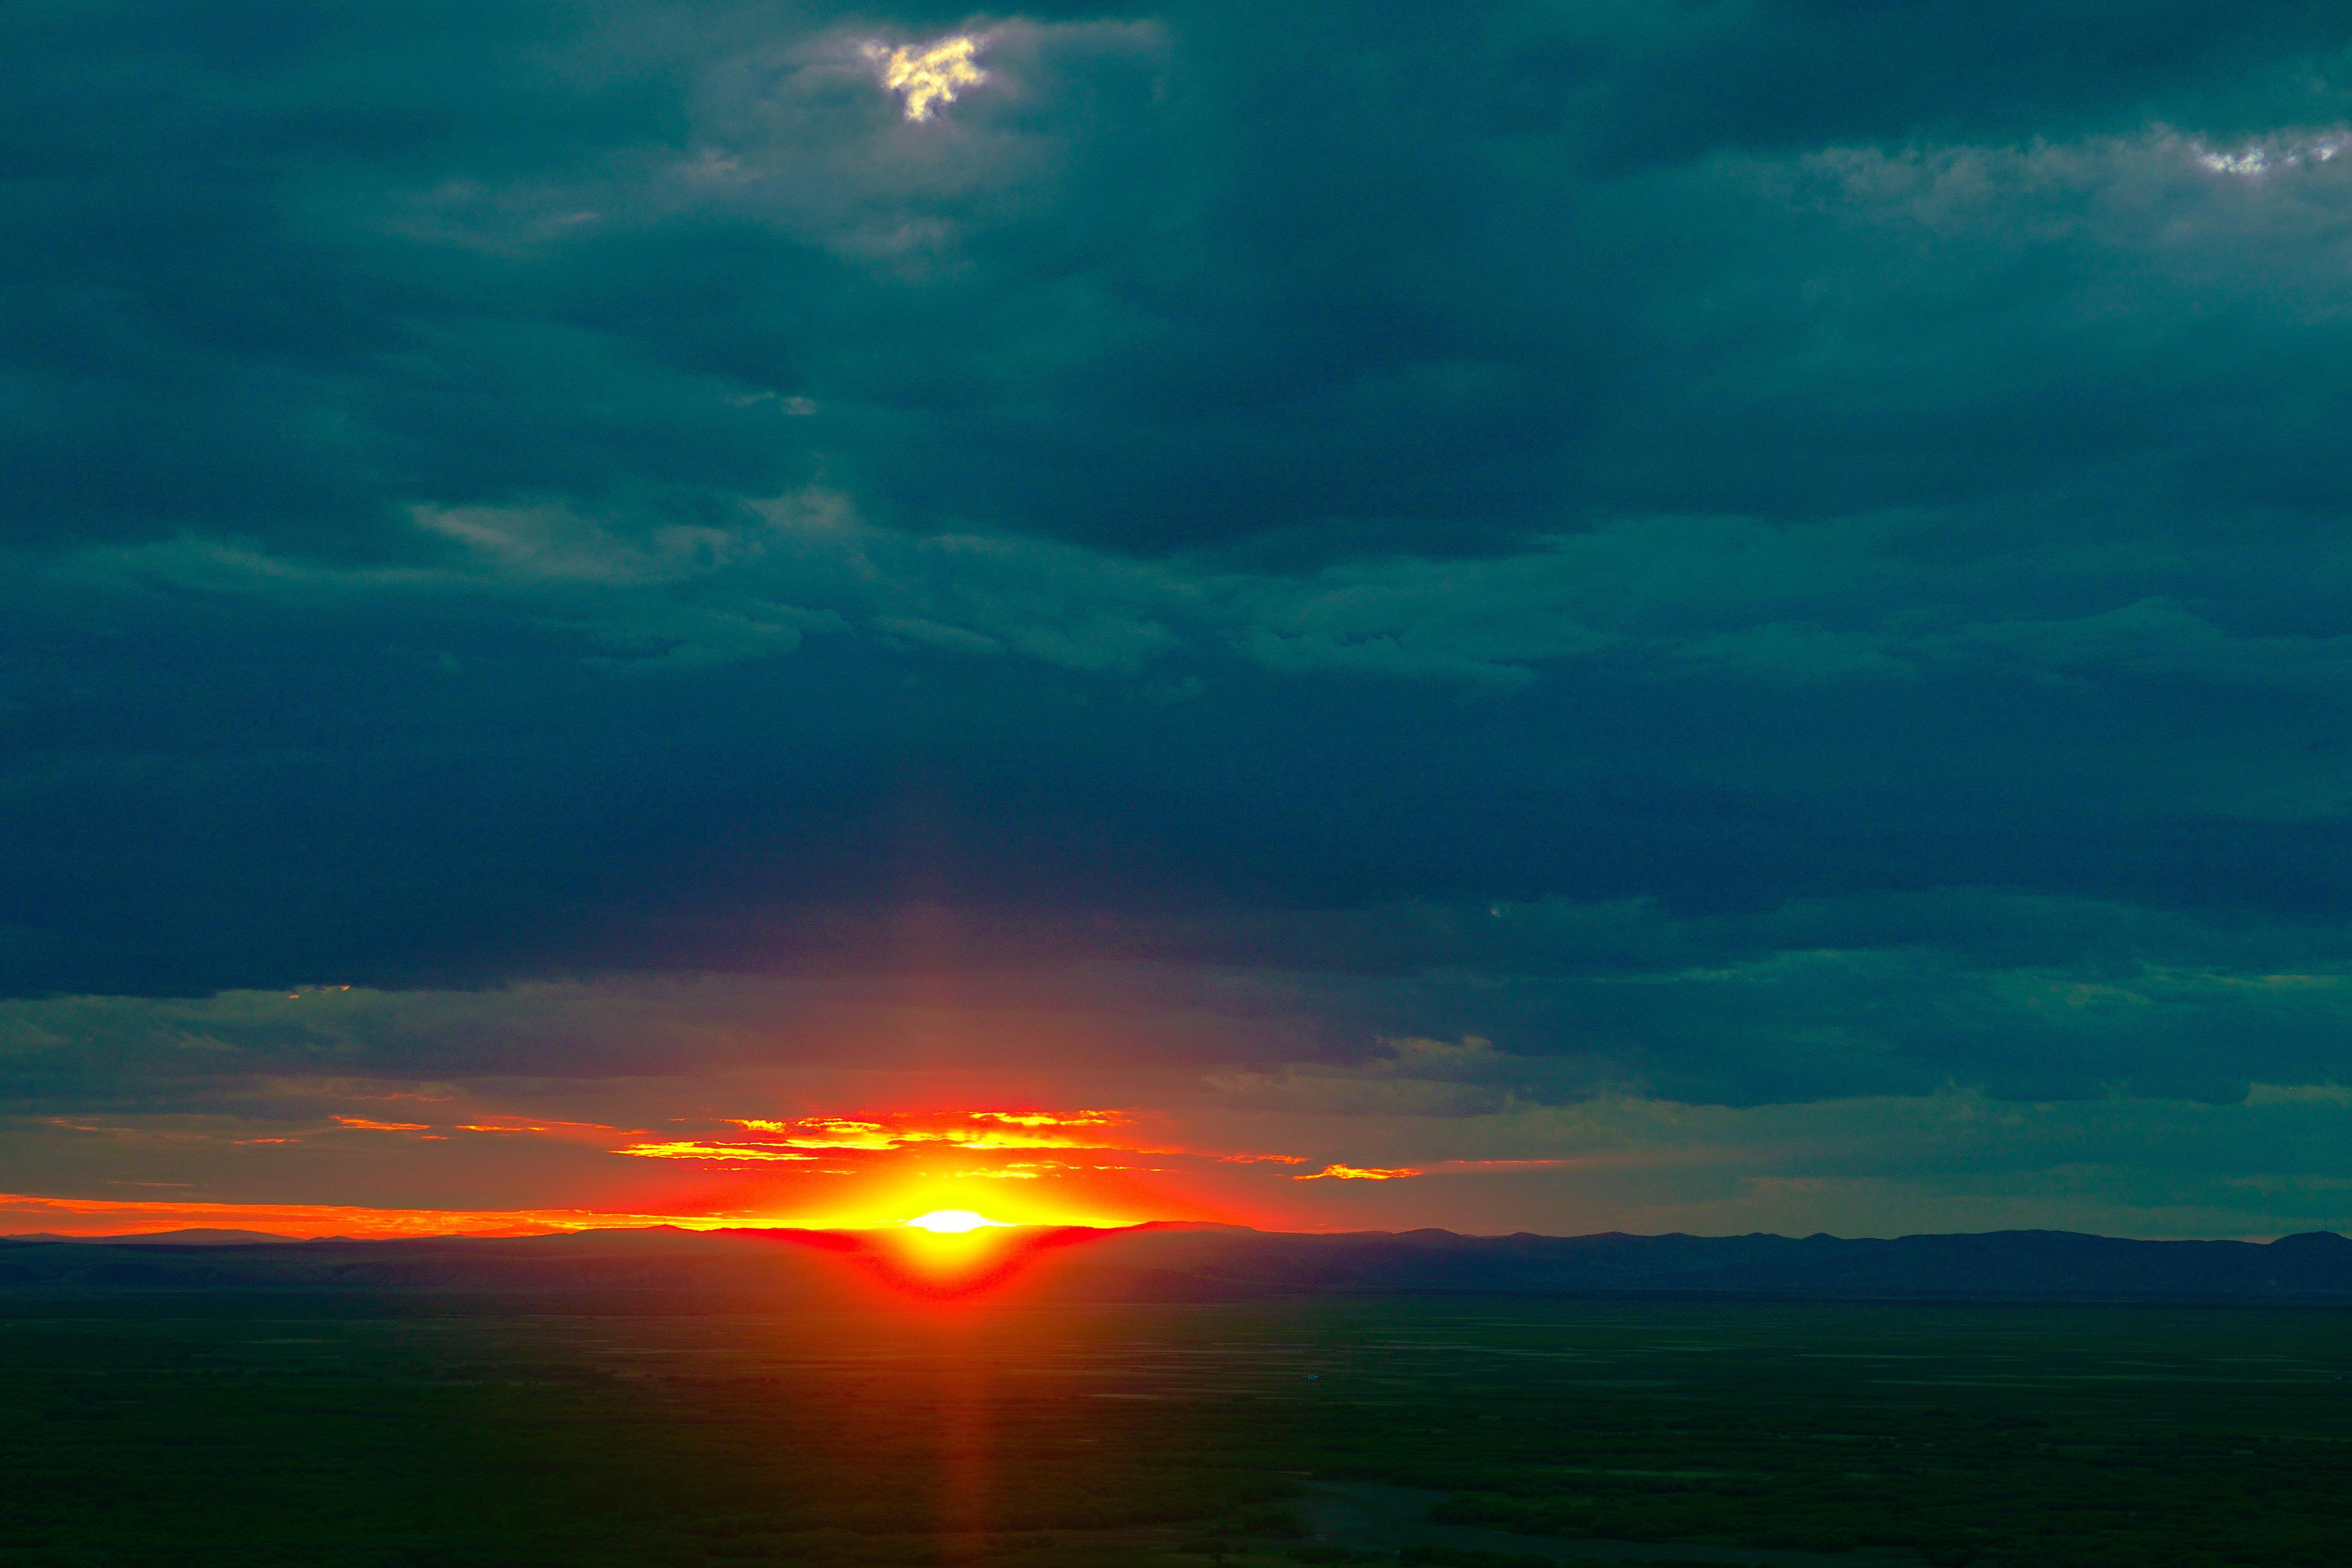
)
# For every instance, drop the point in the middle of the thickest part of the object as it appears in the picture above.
(1199, 278)
(1745, 553)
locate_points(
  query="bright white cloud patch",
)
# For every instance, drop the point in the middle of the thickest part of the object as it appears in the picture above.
(930, 74)
(2275, 152)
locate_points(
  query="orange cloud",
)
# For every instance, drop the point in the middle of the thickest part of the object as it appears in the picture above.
(968, 1129)
(824, 1133)
(364, 1124)
(534, 1124)
(1049, 1118)
(689, 1148)
(1357, 1173)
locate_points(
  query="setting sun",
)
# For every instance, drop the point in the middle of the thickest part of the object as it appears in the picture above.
(951, 1254)
(952, 1221)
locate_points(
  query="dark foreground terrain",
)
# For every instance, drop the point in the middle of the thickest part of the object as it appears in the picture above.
(329, 1428)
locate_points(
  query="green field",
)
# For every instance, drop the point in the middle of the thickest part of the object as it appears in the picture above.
(320, 1430)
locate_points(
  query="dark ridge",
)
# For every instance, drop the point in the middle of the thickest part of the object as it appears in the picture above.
(1176, 1262)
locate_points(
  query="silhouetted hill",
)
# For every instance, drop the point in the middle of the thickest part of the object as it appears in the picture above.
(1184, 1262)
(160, 1238)
(2018, 1262)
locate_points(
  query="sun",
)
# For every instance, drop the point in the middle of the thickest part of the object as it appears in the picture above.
(952, 1221)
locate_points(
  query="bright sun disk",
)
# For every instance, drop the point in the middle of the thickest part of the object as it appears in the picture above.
(951, 1221)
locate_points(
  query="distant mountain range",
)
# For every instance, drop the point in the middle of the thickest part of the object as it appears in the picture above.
(163, 1238)
(1174, 1262)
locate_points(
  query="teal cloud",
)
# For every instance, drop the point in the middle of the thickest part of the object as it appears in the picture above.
(1749, 553)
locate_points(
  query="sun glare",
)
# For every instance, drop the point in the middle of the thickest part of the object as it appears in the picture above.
(952, 1221)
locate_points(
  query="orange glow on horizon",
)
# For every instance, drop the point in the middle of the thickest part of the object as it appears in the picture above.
(850, 1168)
(1009, 1167)
(938, 1220)
(297, 1221)
(914, 1262)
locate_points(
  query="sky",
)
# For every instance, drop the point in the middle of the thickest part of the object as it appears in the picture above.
(1719, 616)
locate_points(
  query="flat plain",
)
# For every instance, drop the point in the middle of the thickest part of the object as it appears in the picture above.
(499, 1431)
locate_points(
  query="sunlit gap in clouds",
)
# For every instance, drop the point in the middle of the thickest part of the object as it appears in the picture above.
(925, 75)
(2276, 153)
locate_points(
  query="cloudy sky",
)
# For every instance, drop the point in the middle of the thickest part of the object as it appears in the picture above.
(1716, 617)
